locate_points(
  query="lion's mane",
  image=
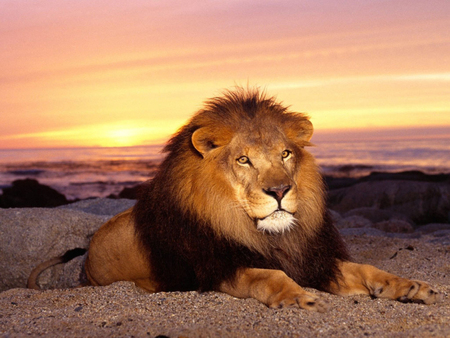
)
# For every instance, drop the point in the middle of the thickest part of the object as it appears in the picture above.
(187, 220)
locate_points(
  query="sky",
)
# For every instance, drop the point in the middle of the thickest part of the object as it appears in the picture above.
(123, 73)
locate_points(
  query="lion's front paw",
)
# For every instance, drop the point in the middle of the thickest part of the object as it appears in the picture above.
(304, 300)
(420, 292)
(407, 291)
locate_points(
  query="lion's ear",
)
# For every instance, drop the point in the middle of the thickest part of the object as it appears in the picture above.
(301, 130)
(206, 139)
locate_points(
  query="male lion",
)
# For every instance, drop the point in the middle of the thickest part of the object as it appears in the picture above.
(237, 206)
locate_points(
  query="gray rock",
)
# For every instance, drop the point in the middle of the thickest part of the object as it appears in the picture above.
(362, 231)
(376, 215)
(335, 216)
(353, 222)
(394, 225)
(101, 206)
(441, 237)
(442, 233)
(422, 202)
(429, 228)
(32, 235)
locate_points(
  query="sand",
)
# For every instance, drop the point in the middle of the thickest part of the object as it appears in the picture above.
(122, 310)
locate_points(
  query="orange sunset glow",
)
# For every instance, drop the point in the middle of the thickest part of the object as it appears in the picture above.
(124, 73)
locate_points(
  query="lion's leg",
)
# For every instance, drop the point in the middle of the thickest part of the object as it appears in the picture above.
(367, 279)
(273, 288)
(114, 255)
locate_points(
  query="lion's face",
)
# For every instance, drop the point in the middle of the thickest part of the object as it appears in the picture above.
(261, 171)
(259, 166)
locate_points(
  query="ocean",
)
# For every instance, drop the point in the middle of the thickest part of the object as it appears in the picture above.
(81, 173)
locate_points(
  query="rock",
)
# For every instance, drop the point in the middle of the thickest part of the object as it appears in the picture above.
(130, 193)
(394, 225)
(353, 222)
(376, 215)
(335, 216)
(339, 182)
(411, 175)
(422, 202)
(344, 178)
(29, 193)
(433, 227)
(32, 235)
(358, 232)
(443, 235)
(101, 206)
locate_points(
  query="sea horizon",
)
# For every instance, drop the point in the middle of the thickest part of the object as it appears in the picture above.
(84, 172)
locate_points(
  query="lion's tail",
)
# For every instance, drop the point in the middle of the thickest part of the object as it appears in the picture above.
(68, 256)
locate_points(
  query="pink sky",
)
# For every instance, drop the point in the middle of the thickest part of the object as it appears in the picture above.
(111, 73)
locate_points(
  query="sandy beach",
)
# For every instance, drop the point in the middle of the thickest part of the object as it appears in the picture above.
(122, 310)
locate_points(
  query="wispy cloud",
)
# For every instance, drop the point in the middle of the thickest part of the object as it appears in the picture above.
(438, 77)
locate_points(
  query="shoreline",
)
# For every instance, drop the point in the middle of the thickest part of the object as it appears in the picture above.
(340, 177)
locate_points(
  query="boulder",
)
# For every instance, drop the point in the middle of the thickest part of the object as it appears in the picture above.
(101, 206)
(362, 232)
(29, 193)
(394, 225)
(32, 235)
(433, 227)
(130, 193)
(421, 202)
(353, 222)
(335, 216)
(376, 215)
(411, 175)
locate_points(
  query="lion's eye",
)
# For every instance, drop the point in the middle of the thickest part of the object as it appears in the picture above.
(286, 154)
(243, 160)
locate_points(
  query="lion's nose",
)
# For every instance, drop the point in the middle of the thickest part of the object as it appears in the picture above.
(278, 192)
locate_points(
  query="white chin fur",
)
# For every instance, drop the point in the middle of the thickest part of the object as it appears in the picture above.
(278, 222)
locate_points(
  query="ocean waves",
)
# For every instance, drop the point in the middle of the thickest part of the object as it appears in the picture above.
(80, 173)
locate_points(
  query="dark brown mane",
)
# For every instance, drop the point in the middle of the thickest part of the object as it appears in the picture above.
(234, 110)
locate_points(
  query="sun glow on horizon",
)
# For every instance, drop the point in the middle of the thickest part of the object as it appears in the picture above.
(107, 135)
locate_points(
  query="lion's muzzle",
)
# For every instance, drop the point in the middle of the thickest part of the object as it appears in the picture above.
(277, 222)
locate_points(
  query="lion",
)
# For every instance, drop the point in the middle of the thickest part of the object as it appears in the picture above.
(238, 206)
